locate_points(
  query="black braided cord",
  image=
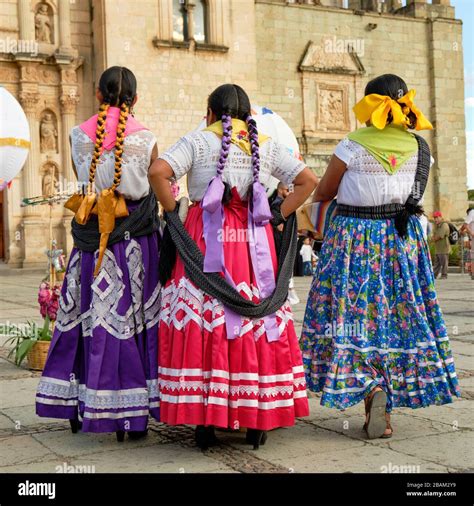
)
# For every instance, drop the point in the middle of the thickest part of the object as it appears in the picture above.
(216, 286)
(143, 220)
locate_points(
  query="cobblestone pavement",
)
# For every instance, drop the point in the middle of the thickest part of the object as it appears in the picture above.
(434, 439)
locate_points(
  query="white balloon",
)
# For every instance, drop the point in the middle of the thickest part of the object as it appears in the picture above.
(14, 137)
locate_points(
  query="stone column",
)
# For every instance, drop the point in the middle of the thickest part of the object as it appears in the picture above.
(165, 20)
(68, 99)
(216, 20)
(30, 173)
(68, 121)
(448, 118)
(190, 4)
(25, 17)
(441, 2)
(64, 26)
(32, 225)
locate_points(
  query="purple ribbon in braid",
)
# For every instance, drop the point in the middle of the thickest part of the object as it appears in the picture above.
(213, 222)
(211, 204)
(258, 217)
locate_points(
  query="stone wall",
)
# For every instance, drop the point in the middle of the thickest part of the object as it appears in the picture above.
(285, 54)
(426, 52)
(173, 83)
(52, 79)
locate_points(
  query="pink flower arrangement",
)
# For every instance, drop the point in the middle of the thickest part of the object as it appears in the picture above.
(44, 296)
(53, 305)
(48, 299)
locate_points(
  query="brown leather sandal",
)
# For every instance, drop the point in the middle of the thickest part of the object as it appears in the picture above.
(375, 408)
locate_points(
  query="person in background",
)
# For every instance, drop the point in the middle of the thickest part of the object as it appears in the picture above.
(307, 254)
(281, 192)
(298, 268)
(442, 246)
(277, 197)
(468, 228)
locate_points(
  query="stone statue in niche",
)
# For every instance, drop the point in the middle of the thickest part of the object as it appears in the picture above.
(331, 111)
(48, 133)
(43, 25)
(50, 180)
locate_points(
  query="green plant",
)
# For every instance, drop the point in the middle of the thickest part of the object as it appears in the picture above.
(24, 337)
(455, 255)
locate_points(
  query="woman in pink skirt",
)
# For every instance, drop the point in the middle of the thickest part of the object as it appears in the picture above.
(218, 367)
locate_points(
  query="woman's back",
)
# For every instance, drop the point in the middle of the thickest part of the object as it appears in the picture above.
(137, 150)
(367, 183)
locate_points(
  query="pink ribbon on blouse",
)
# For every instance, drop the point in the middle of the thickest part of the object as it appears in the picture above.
(111, 121)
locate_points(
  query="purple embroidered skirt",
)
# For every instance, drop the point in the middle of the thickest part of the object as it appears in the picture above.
(102, 365)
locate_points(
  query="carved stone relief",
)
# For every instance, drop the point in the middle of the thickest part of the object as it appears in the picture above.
(48, 132)
(330, 80)
(49, 179)
(44, 28)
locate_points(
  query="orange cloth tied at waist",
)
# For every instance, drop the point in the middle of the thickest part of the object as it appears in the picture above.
(107, 205)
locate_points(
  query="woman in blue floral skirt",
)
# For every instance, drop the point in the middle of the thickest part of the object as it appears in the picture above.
(373, 328)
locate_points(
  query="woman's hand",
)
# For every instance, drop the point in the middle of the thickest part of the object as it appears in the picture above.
(159, 174)
(302, 187)
(329, 184)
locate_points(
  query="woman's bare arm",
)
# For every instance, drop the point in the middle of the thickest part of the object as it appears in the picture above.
(72, 159)
(329, 184)
(154, 154)
(159, 174)
(302, 187)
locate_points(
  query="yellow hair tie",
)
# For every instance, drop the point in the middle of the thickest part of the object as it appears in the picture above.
(375, 108)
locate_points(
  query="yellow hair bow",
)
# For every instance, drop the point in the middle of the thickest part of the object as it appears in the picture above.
(107, 205)
(375, 107)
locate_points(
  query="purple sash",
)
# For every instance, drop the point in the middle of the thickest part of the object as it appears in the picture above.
(259, 216)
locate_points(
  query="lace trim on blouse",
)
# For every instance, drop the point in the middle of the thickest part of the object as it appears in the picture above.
(197, 153)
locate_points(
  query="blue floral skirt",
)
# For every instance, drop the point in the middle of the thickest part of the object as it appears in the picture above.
(373, 318)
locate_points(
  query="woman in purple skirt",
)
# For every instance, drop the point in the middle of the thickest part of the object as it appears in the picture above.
(101, 372)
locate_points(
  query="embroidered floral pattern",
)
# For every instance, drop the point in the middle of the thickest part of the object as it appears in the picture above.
(373, 318)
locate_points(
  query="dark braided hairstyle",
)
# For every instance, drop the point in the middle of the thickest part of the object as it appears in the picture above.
(118, 86)
(99, 140)
(253, 138)
(231, 101)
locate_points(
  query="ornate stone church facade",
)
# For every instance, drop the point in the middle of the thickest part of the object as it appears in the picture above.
(308, 60)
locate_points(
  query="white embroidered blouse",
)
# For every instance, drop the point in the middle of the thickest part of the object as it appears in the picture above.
(136, 157)
(367, 183)
(197, 154)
